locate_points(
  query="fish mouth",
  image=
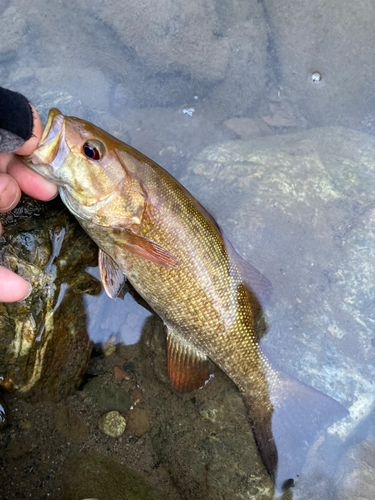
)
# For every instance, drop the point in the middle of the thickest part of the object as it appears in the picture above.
(49, 144)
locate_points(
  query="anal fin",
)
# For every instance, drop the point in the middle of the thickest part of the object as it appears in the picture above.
(112, 277)
(188, 368)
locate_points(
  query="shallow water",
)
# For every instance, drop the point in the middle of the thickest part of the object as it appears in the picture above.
(265, 112)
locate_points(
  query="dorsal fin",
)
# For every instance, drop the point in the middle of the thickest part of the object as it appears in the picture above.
(188, 369)
(254, 281)
(113, 278)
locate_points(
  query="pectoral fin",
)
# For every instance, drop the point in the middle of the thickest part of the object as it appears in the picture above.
(188, 369)
(147, 249)
(113, 278)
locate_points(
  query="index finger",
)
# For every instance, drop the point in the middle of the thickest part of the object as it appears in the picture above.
(30, 182)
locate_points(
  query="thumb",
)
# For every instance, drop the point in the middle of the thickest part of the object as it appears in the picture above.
(12, 287)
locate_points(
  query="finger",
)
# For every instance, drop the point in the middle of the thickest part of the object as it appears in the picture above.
(4, 161)
(10, 193)
(32, 143)
(30, 182)
(12, 287)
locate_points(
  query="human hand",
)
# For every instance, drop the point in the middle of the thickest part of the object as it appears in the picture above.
(14, 177)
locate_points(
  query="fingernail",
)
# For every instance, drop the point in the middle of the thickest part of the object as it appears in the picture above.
(7, 197)
(29, 292)
(53, 197)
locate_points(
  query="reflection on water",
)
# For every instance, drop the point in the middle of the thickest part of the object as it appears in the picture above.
(117, 321)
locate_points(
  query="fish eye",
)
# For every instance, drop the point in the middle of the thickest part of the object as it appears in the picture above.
(93, 150)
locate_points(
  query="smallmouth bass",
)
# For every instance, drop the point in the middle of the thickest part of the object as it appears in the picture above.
(152, 231)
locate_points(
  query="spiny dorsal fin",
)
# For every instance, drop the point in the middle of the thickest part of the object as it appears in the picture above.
(147, 249)
(113, 278)
(255, 281)
(188, 369)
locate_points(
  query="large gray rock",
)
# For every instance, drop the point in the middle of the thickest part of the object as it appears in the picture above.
(300, 208)
(357, 472)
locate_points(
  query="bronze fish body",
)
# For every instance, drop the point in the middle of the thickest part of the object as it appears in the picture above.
(150, 229)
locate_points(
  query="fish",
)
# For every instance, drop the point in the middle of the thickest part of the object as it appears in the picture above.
(152, 232)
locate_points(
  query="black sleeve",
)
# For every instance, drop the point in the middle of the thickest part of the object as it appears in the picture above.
(16, 120)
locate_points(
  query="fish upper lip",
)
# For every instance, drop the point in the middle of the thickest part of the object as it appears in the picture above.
(51, 125)
(48, 146)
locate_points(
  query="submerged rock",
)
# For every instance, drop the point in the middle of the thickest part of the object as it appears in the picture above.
(300, 208)
(356, 478)
(90, 475)
(44, 346)
(112, 423)
(107, 397)
(70, 424)
(137, 422)
(323, 58)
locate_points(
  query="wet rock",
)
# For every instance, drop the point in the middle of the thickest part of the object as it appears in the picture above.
(118, 373)
(323, 58)
(277, 120)
(3, 415)
(96, 476)
(300, 209)
(14, 27)
(106, 397)
(99, 365)
(128, 366)
(137, 422)
(24, 425)
(70, 424)
(323, 176)
(356, 476)
(112, 423)
(44, 345)
(179, 38)
(18, 448)
(227, 46)
(180, 138)
(246, 128)
(109, 346)
(137, 395)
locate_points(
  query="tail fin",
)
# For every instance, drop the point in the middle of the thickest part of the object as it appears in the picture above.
(285, 430)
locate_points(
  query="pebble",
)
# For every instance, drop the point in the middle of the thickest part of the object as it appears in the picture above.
(112, 423)
(70, 424)
(119, 373)
(24, 425)
(137, 422)
(108, 397)
(137, 395)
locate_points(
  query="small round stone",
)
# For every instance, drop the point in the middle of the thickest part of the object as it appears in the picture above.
(112, 423)
(316, 77)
